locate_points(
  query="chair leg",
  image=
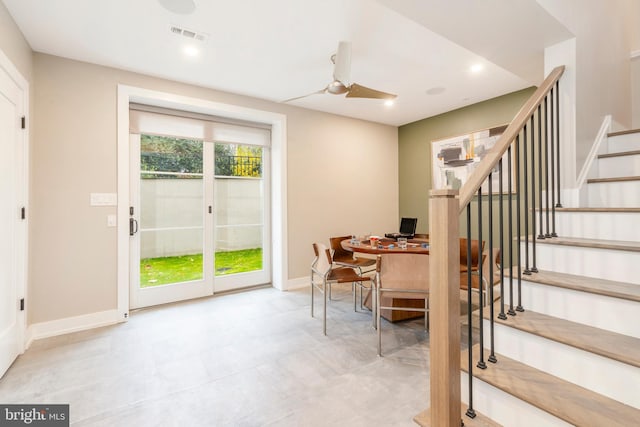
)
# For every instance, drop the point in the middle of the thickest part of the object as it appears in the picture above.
(426, 314)
(374, 302)
(324, 310)
(354, 291)
(378, 322)
(312, 295)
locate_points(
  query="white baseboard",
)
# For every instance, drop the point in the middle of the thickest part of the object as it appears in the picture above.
(71, 324)
(298, 283)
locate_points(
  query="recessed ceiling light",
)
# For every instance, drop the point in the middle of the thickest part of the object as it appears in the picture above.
(191, 51)
(389, 102)
(475, 68)
(181, 7)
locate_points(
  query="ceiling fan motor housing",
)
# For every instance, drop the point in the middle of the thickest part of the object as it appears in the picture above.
(337, 88)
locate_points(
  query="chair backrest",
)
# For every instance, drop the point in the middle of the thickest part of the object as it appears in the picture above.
(486, 265)
(323, 258)
(403, 271)
(339, 253)
(475, 252)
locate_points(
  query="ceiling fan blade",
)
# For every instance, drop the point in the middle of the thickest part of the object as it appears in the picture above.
(358, 91)
(304, 96)
(342, 61)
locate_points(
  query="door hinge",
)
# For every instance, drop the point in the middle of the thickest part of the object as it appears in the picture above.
(22, 304)
(23, 213)
(24, 122)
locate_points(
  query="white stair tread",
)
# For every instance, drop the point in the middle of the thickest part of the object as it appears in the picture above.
(616, 179)
(619, 154)
(610, 288)
(423, 419)
(608, 344)
(591, 243)
(562, 399)
(599, 210)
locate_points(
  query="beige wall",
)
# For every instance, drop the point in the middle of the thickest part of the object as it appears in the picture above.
(73, 263)
(603, 81)
(635, 93)
(14, 45)
(414, 141)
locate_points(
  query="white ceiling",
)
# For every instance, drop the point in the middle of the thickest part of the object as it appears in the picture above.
(279, 49)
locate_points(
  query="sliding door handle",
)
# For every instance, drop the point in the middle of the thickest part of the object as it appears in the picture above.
(133, 226)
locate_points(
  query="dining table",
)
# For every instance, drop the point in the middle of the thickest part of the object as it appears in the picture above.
(383, 246)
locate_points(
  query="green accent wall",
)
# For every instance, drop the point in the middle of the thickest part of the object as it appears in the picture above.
(414, 146)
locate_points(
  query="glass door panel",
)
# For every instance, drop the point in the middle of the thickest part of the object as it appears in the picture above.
(239, 216)
(171, 211)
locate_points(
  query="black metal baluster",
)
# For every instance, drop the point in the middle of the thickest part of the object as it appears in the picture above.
(559, 204)
(470, 412)
(541, 213)
(553, 168)
(492, 356)
(546, 160)
(525, 177)
(502, 315)
(481, 363)
(511, 310)
(532, 214)
(518, 229)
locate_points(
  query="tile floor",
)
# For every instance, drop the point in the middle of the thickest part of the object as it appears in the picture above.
(254, 358)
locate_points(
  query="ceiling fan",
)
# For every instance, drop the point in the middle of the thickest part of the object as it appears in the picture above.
(340, 84)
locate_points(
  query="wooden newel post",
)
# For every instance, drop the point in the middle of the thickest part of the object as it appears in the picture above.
(444, 313)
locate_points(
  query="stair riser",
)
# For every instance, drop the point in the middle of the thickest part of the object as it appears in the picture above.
(612, 314)
(608, 264)
(504, 408)
(629, 142)
(623, 226)
(614, 194)
(615, 167)
(600, 374)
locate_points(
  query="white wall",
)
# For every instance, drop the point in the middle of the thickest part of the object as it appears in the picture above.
(168, 203)
(603, 40)
(635, 91)
(342, 178)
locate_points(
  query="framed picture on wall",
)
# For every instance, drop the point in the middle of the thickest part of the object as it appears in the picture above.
(454, 159)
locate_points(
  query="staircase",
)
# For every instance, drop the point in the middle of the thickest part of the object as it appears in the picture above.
(573, 356)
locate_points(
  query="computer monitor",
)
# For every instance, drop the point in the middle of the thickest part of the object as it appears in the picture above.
(408, 225)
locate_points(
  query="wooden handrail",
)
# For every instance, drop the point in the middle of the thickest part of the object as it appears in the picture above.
(494, 155)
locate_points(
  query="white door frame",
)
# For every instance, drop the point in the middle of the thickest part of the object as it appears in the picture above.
(22, 196)
(278, 122)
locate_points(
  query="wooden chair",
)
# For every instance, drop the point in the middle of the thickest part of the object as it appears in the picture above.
(475, 254)
(401, 276)
(475, 275)
(324, 274)
(345, 258)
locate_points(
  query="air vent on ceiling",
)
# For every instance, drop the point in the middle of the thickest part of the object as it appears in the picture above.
(190, 34)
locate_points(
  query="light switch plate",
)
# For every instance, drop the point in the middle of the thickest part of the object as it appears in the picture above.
(104, 199)
(111, 221)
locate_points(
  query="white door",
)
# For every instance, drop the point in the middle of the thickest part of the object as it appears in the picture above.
(169, 212)
(12, 227)
(198, 218)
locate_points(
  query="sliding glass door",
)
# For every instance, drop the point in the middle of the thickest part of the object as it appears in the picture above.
(198, 218)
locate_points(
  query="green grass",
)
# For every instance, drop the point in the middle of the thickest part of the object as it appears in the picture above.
(173, 269)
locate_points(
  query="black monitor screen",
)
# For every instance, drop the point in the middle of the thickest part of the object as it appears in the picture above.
(408, 225)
